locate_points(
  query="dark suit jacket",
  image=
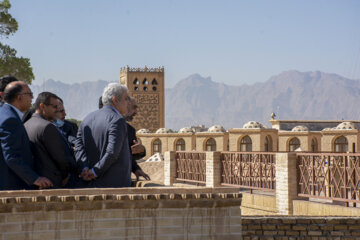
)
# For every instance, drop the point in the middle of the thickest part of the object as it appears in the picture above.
(102, 144)
(68, 130)
(48, 148)
(134, 157)
(16, 159)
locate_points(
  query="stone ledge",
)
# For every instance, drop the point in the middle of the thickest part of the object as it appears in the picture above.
(95, 199)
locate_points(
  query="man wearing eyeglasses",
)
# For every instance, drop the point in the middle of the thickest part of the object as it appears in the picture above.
(16, 159)
(68, 128)
(48, 147)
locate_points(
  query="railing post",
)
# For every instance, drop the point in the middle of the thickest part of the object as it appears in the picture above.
(286, 182)
(213, 169)
(169, 168)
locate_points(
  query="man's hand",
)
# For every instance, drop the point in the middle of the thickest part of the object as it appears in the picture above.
(137, 148)
(140, 173)
(90, 175)
(84, 172)
(43, 182)
(87, 174)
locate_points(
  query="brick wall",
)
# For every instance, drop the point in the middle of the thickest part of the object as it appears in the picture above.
(300, 228)
(149, 213)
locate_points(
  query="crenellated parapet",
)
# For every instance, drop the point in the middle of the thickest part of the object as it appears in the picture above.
(145, 69)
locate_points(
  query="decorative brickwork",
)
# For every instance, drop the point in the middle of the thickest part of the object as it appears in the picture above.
(148, 111)
(300, 228)
(147, 86)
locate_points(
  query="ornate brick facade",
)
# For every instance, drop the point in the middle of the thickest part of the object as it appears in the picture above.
(147, 86)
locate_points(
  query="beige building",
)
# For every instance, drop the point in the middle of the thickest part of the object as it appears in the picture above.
(253, 137)
(147, 86)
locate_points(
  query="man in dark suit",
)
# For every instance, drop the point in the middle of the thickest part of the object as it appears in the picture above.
(138, 150)
(101, 147)
(47, 145)
(16, 159)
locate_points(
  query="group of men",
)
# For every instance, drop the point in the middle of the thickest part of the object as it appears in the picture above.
(40, 149)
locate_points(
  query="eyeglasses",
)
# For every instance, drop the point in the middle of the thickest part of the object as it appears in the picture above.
(28, 93)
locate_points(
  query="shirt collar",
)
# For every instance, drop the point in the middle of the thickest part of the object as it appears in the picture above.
(16, 110)
(116, 110)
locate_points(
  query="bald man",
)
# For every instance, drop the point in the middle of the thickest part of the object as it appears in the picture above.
(16, 160)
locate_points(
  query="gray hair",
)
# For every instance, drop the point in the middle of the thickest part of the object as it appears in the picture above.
(113, 90)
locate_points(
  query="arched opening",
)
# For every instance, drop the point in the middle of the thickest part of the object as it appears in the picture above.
(294, 144)
(145, 82)
(268, 144)
(210, 145)
(156, 146)
(136, 81)
(246, 144)
(314, 145)
(154, 82)
(180, 145)
(341, 145)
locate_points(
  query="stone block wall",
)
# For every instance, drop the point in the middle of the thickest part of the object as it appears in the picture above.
(150, 213)
(300, 228)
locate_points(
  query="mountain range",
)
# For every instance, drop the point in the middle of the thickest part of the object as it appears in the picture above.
(197, 100)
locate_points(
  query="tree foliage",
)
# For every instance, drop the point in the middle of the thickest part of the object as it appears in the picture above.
(8, 24)
(10, 64)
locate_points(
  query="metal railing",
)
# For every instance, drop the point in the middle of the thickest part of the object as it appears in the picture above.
(329, 176)
(191, 167)
(252, 170)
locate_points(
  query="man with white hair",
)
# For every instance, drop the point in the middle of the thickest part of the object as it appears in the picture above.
(101, 147)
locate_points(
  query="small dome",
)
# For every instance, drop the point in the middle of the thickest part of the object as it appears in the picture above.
(216, 128)
(252, 124)
(157, 157)
(186, 130)
(143, 130)
(346, 126)
(162, 130)
(300, 129)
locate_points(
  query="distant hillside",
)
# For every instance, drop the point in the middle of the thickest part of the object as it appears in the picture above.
(79, 98)
(197, 100)
(291, 94)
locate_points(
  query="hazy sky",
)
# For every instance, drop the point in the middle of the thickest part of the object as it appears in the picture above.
(235, 42)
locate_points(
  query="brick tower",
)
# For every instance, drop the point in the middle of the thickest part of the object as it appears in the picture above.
(146, 85)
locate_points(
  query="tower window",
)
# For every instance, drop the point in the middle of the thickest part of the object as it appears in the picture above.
(136, 88)
(136, 81)
(294, 144)
(246, 144)
(145, 89)
(154, 89)
(210, 145)
(341, 144)
(145, 82)
(156, 146)
(180, 145)
(154, 82)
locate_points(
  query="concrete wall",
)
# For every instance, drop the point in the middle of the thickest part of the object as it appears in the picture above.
(258, 204)
(308, 208)
(149, 213)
